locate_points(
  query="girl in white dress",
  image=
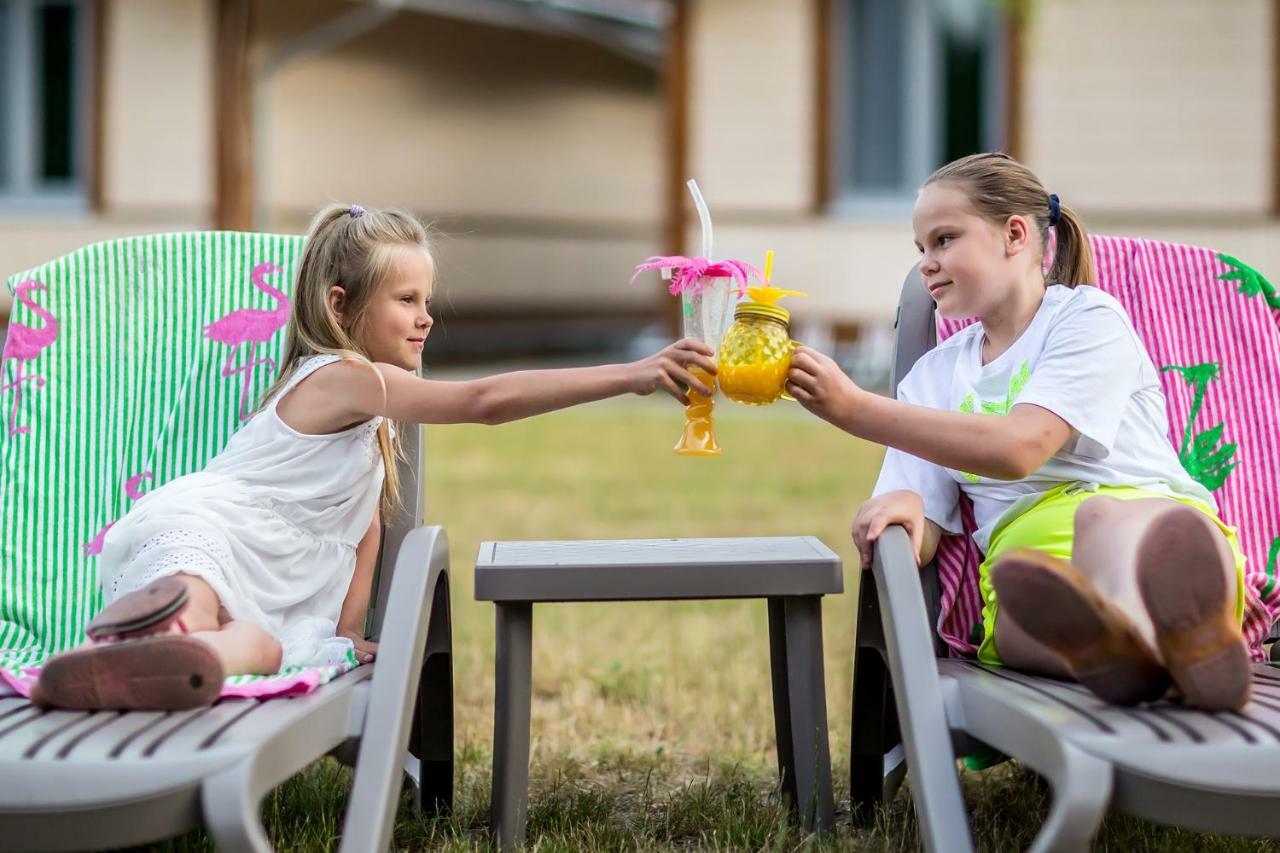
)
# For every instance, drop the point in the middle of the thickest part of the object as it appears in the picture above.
(267, 555)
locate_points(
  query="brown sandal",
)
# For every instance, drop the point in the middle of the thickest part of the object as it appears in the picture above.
(149, 610)
(1186, 592)
(165, 673)
(1057, 605)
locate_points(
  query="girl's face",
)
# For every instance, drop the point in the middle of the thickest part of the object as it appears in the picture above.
(397, 320)
(969, 265)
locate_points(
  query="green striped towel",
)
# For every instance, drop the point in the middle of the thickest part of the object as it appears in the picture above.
(116, 378)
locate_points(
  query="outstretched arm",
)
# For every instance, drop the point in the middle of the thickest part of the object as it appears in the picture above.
(1002, 448)
(384, 389)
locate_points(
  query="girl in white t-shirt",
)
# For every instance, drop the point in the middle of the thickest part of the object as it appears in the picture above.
(1103, 560)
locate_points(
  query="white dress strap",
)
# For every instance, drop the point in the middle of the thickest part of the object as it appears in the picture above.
(306, 367)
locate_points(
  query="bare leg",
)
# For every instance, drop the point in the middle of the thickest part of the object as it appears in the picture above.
(1108, 533)
(243, 647)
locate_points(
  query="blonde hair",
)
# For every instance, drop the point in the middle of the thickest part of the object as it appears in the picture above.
(354, 248)
(999, 186)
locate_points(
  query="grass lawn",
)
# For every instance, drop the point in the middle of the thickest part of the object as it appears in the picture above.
(652, 724)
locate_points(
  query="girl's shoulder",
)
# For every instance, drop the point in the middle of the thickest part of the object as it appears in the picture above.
(342, 368)
(1088, 316)
(306, 365)
(1071, 301)
(322, 396)
(1086, 312)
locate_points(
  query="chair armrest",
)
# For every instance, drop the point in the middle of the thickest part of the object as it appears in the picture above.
(421, 563)
(922, 715)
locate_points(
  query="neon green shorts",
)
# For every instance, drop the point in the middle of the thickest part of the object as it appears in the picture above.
(1049, 526)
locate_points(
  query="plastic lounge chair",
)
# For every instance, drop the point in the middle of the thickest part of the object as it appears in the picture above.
(115, 378)
(919, 698)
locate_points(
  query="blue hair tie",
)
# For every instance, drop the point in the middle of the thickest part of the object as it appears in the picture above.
(1055, 210)
(356, 210)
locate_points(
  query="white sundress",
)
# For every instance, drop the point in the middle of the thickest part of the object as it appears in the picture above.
(271, 523)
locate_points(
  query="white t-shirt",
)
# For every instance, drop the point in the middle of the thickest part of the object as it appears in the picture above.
(1081, 359)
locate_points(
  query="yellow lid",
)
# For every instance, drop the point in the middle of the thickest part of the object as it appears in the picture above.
(770, 295)
(762, 309)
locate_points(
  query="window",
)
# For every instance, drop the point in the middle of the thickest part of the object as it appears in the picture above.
(920, 83)
(44, 52)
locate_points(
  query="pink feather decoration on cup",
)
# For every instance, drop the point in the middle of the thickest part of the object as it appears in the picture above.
(691, 275)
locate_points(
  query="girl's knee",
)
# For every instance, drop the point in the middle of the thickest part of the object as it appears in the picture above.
(266, 648)
(1093, 510)
(272, 656)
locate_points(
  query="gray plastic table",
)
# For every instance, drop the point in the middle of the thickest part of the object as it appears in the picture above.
(792, 572)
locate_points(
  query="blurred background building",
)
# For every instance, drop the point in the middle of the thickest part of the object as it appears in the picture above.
(549, 140)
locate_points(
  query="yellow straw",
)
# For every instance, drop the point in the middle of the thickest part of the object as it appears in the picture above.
(768, 265)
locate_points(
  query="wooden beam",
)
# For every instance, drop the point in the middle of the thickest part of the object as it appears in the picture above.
(1014, 75)
(676, 142)
(97, 103)
(822, 53)
(233, 205)
(676, 120)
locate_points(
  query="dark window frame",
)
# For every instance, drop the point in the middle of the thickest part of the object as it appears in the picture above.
(26, 184)
(920, 142)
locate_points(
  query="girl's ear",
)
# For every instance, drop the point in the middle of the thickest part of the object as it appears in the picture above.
(1017, 234)
(337, 298)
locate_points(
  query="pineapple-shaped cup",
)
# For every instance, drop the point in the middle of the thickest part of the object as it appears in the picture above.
(755, 355)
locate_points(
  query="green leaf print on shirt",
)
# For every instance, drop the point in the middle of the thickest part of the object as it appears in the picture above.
(1252, 282)
(1206, 462)
(970, 403)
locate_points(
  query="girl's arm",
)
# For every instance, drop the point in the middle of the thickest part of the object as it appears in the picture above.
(356, 604)
(1001, 448)
(400, 395)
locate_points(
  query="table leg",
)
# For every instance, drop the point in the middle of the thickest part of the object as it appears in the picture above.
(781, 699)
(512, 685)
(807, 702)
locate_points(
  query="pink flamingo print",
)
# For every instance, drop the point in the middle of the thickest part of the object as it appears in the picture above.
(250, 326)
(93, 547)
(25, 343)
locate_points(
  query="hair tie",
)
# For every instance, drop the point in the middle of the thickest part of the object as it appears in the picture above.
(355, 210)
(1055, 210)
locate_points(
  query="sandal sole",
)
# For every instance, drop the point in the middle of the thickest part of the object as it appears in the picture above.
(1187, 596)
(167, 673)
(1100, 648)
